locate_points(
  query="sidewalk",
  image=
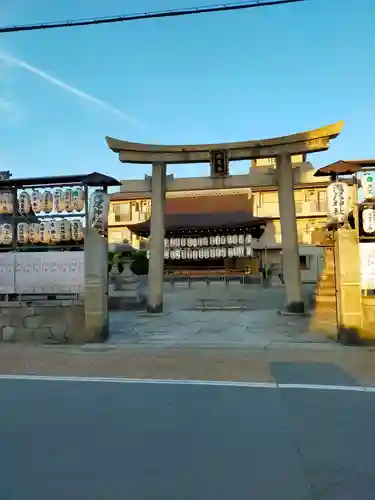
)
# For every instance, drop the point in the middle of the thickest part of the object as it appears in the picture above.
(182, 364)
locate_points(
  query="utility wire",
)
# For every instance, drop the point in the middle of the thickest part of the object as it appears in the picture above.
(147, 15)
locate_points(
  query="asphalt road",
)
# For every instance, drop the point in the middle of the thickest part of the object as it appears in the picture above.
(108, 441)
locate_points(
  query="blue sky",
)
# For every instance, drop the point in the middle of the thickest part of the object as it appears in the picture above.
(219, 77)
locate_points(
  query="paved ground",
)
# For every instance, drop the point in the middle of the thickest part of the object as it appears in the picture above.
(115, 441)
(236, 315)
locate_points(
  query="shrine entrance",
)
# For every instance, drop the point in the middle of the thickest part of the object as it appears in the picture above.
(219, 156)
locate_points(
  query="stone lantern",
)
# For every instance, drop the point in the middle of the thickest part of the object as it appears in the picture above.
(125, 285)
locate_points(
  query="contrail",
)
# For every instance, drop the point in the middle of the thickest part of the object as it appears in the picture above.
(73, 90)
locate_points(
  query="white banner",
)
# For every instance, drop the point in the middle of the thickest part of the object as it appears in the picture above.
(7, 275)
(42, 272)
(367, 256)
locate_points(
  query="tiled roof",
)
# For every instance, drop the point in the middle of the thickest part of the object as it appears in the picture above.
(203, 221)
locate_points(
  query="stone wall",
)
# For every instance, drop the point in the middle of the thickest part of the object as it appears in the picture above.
(43, 321)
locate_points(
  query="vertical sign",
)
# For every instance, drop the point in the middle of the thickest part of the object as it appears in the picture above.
(367, 256)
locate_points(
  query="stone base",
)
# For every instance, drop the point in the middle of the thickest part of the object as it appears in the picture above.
(155, 309)
(42, 321)
(296, 307)
(348, 336)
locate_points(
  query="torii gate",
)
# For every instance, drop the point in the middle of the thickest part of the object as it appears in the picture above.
(281, 148)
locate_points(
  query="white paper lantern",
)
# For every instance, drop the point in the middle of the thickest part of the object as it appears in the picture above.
(206, 253)
(6, 202)
(241, 251)
(223, 252)
(34, 236)
(205, 241)
(248, 239)
(249, 251)
(44, 232)
(68, 200)
(166, 254)
(65, 230)
(189, 254)
(177, 254)
(338, 201)
(223, 240)
(241, 239)
(24, 202)
(183, 253)
(212, 253)
(22, 233)
(183, 242)
(58, 196)
(6, 234)
(77, 230)
(368, 185)
(200, 242)
(148, 254)
(217, 240)
(368, 220)
(230, 253)
(78, 199)
(99, 210)
(195, 254)
(212, 240)
(200, 253)
(217, 253)
(36, 201)
(172, 254)
(235, 239)
(177, 243)
(166, 242)
(54, 227)
(47, 202)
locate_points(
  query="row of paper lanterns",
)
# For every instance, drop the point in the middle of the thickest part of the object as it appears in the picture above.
(230, 239)
(59, 200)
(206, 253)
(45, 232)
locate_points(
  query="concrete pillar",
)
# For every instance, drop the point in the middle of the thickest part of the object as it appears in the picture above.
(96, 286)
(291, 264)
(156, 263)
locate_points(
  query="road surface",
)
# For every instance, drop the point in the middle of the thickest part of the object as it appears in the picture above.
(95, 440)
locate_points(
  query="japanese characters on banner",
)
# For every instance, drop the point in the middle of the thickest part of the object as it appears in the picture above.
(99, 211)
(368, 220)
(368, 185)
(338, 201)
(367, 257)
(207, 247)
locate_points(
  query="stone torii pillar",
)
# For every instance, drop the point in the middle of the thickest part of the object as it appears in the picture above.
(289, 235)
(156, 245)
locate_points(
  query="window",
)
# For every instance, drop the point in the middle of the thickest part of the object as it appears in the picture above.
(122, 212)
(322, 201)
(304, 262)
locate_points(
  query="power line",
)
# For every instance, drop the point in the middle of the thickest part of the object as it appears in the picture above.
(147, 15)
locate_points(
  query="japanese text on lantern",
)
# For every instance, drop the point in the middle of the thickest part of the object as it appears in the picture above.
(338, 201)
(368, 185)
(368, 220)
